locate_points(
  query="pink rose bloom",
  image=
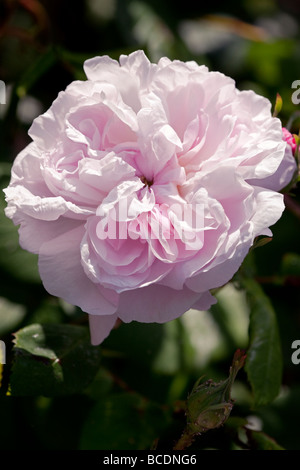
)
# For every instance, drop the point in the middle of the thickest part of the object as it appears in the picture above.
(116, 162)
(290, 139)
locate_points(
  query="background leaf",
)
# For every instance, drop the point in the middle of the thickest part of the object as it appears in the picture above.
(261, 441)
(123, 421)
(264, 359)
(291, 265)
(53, 360)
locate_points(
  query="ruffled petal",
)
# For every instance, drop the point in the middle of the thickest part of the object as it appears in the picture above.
(63, 276)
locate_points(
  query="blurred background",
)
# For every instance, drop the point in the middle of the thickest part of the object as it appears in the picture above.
(43, 44)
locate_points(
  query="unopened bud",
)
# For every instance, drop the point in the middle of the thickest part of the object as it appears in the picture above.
(291, 139)
(209, 403)
(278, 105)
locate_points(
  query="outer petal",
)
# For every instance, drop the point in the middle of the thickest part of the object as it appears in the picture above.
(21, 201)
(159, 304)
(100, 327)
(220, 270)
(33, 232)
(47, 127)
(63, 276)
(26, 171)
(282, 176)
(269, 208)
(130, 76)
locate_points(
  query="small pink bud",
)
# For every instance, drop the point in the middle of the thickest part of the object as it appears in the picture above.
(290, 139)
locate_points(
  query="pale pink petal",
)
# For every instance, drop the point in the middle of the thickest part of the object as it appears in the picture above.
(269, 208)
(21, 201)
(100, 327)
(221, 269)
(159, 304)
(283, 174)
(61, 256)
(34, 232)
(128, 78)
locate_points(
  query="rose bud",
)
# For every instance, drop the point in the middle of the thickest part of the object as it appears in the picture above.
(209, 404)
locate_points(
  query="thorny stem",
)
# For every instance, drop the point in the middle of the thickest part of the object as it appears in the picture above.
(184, 441)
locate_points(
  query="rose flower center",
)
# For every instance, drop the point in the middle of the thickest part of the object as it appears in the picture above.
(146, 182)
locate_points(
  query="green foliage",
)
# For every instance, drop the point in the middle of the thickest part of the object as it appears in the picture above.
(261, 441)
(52, 360)
(124, 421)
(247, 438)
(264, 359)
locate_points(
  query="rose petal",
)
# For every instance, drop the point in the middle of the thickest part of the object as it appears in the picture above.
(159, 304)
(61, 256)
(100, 327)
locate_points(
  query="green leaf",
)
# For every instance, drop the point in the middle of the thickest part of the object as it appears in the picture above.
(231, 313)
(53, 360)
(260, 441)
(249, 438)
(123, 421)
(264, 358)
(265, 59)
(291, 264)
(37, 69)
